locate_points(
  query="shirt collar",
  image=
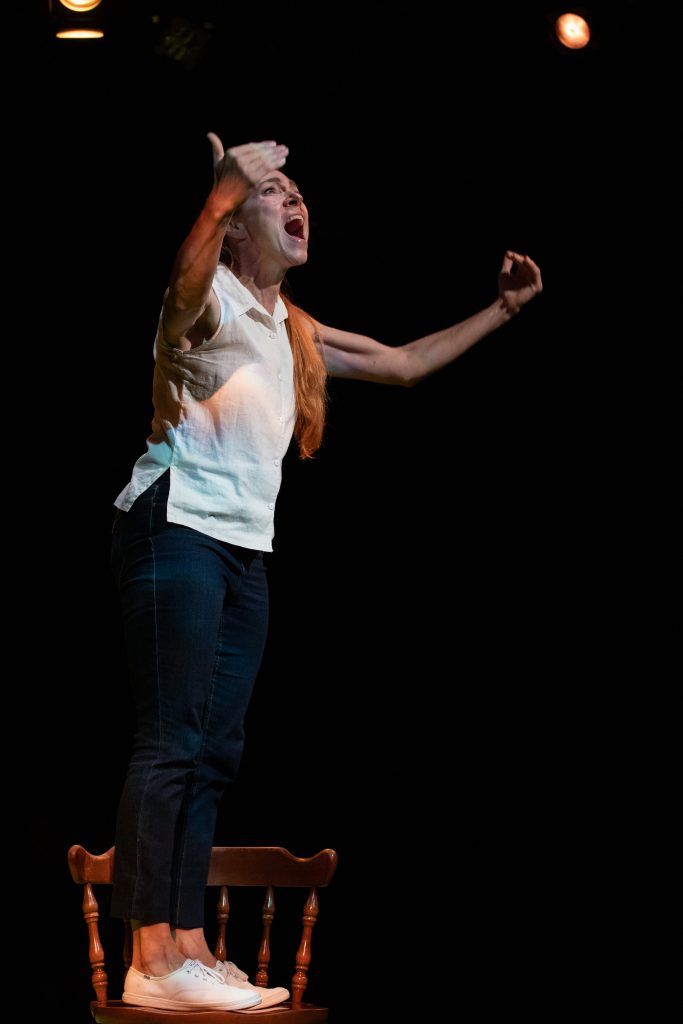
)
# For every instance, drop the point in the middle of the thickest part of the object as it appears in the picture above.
(242, 300)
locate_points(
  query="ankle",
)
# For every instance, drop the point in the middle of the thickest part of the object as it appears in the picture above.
(154, 951)
(192, 944)
(159, 963)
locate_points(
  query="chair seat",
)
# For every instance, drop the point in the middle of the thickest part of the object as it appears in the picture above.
(114, 1011)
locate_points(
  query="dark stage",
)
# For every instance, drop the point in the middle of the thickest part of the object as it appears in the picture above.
(442, 698)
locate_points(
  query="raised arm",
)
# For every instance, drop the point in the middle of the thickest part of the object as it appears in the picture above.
(190, 308)
(363, 358)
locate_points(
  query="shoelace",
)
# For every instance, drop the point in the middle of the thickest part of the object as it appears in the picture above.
(200, 970)
(234, 971)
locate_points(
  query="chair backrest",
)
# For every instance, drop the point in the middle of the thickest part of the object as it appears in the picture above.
(266, 867)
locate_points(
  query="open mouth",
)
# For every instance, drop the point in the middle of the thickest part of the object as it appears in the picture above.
(295, 227)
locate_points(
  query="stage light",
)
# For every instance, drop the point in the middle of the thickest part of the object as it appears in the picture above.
(572, 30)
(77, 19)
(80, 6)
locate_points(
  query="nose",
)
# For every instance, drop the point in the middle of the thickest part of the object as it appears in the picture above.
(294, 198)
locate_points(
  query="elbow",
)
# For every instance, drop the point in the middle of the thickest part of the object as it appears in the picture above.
(409, 382)
(396, 377)
(412, 373)
(412, 368)
(409, 372)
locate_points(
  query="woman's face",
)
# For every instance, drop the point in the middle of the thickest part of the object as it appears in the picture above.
(275, 220)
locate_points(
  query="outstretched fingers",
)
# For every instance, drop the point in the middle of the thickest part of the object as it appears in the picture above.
(254, 159)
(247, 163)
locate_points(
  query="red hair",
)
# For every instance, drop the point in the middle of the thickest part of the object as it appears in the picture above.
(310, 379)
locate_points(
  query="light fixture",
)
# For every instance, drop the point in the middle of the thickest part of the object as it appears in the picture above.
(80, 6)
(74, 19)
(573, 31)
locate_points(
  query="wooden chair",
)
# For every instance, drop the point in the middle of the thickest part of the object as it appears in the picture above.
(268, 867)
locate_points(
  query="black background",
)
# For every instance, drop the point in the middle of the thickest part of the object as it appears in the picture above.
(460, 690)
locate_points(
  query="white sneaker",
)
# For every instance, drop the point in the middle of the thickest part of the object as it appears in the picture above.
(192, 987)
(235, 978)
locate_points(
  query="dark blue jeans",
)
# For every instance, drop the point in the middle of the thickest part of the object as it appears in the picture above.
(195, 616)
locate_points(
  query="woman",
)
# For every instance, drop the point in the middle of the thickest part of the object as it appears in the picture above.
(239, 370)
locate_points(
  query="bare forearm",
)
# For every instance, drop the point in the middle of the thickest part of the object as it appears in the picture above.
(362, 358)
(429, 354)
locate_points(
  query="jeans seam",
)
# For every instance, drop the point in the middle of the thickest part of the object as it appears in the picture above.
(156, 672)
(180, 864)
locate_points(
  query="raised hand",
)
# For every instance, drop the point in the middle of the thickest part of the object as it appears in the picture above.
(236, 170)
(518, 281)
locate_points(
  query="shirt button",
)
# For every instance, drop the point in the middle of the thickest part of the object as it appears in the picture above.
(273, 335)
(270, 504)
(282, 419)
(276, 462)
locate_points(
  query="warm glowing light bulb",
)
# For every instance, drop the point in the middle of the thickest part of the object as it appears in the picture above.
(80, 33)
(572, 31)
(80, 5)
